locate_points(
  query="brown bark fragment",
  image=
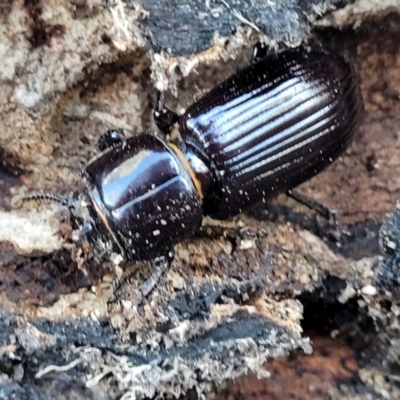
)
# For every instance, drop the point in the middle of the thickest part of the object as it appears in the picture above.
(237, 291)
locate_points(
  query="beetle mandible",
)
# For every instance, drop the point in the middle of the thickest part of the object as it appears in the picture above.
(261, 132)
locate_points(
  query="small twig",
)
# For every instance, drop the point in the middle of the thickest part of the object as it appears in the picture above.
(57, 368)
(240, 17)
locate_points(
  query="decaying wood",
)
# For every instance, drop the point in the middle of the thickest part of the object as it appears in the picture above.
(238, 291)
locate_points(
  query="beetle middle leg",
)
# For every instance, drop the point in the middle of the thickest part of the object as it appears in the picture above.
(164, 118)
(259, 52)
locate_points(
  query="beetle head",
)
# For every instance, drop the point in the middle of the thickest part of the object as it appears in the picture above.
(87, 234)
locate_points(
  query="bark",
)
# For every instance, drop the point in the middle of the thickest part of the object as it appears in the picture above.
(239, 293)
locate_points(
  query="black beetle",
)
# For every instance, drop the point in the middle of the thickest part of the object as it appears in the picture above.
(263, 131)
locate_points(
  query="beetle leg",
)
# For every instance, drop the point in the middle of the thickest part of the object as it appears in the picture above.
(259, 52)
(112, 138)
(161, 267)
(163, 117)
(319, 208)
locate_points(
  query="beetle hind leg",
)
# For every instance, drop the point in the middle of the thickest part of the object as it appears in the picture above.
(314, 205)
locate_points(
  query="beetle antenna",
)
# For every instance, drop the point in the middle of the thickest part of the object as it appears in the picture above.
(40, 195)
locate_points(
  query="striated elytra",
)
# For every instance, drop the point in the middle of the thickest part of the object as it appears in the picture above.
(263, 131)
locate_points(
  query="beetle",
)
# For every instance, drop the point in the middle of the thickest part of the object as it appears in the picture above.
(263, 131)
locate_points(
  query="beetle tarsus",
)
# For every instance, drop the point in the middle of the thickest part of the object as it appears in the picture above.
(164, 118)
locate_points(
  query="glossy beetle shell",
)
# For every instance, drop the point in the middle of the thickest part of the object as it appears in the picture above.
(272, 126)
(265, 130)
(143, 196)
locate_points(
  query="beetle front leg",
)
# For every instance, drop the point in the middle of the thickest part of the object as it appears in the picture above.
(163, 117)
(112, 138)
